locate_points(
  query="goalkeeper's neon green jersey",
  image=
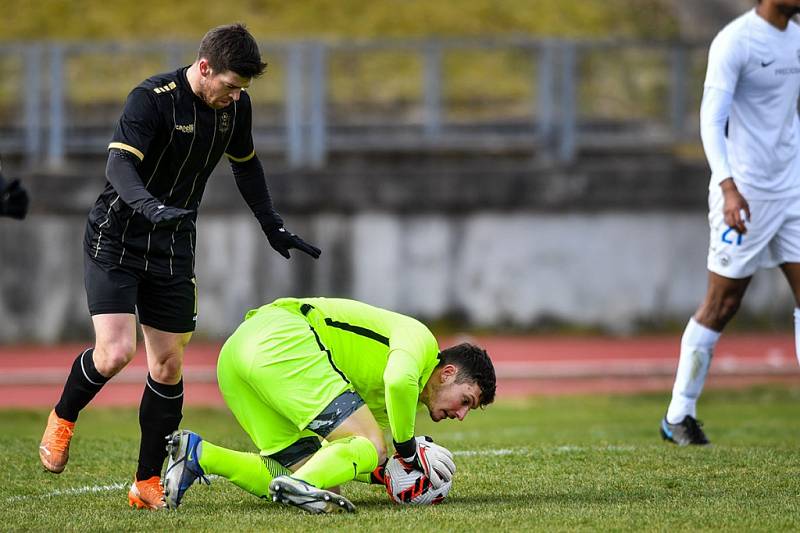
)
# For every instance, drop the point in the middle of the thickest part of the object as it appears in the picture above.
(386, 356)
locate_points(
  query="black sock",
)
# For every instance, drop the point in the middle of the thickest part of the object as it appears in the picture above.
(83, 383)
(160, 414)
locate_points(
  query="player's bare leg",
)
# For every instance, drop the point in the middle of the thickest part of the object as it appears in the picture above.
(159, 413)
(792, 273)
(722, 300)
(115, 345)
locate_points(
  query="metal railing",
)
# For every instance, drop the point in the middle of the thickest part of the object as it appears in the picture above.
(558, 117)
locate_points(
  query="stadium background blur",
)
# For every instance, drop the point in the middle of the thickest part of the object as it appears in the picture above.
(505, 166)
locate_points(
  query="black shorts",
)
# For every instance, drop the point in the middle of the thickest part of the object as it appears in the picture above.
(167, 303)
(329, 419)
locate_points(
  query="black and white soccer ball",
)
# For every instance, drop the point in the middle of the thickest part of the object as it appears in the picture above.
(407, 485)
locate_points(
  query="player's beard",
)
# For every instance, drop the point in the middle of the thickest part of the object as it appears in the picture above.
(789, 11)
(205, 95)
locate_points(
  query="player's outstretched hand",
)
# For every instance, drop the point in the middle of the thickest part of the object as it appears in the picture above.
(158, 213)
(435, 461)
(282, 241)
(14, 200)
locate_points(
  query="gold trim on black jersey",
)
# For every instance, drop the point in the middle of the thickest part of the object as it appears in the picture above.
(165, 88)
(241, 159)
(127, 148)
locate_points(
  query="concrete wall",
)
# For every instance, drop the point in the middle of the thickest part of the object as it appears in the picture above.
(610, 269)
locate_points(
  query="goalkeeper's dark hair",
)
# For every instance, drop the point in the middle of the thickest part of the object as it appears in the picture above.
(474, 366)
(233, 48)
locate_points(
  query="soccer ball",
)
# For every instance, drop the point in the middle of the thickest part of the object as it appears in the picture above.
(407, 485)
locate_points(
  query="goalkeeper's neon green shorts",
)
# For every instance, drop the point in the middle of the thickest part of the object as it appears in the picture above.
(275, 377)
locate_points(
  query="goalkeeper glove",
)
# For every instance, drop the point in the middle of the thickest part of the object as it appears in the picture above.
(435, 461)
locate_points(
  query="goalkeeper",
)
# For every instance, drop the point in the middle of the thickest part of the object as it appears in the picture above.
(300, 370)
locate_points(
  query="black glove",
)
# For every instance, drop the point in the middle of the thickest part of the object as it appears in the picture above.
(158, 213)
(14, 200)
(282, 240)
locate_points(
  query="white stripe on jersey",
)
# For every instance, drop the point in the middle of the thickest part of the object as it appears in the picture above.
(188, 153)
(194, 184)
(100, 227)
(150, 179)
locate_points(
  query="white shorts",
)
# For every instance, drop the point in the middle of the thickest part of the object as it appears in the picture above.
(772, 238)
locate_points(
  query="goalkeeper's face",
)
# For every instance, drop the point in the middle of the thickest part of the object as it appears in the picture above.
(450, 399)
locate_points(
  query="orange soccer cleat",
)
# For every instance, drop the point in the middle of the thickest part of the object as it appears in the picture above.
(147, 494)
(54, 448)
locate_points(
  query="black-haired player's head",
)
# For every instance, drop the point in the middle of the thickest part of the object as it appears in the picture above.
(228, 59)
(786, 8)
(463, 380)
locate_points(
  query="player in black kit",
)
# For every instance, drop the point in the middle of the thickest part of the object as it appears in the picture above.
(13, 198)
(140, 239)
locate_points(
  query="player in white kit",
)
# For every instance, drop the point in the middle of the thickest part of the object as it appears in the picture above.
(751, 137)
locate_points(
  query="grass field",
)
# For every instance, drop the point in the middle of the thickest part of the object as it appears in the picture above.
(567, 463)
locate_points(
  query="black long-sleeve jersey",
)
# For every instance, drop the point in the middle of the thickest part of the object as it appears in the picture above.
(177, 140)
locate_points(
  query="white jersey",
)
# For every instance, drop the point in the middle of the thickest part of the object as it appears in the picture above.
(760, 66)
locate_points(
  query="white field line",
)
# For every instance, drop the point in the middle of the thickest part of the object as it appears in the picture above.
(79, 490)
(71, 492)
(473, 453)
(496, 452)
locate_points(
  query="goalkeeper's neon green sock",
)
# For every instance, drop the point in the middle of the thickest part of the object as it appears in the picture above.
(338, 462)
(250, 471)
(373, 477)
(366, 477)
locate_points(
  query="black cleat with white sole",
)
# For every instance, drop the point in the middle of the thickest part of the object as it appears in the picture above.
(292, 491)
(685, 433)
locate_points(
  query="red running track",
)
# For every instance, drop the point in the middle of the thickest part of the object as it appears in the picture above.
(32, 376)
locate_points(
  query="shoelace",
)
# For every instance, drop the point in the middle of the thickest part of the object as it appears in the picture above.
(146, 491)
(693, 428)
(62, 436)
(200, 477)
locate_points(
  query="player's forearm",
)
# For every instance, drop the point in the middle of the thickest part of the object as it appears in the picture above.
(714, 113)
(121, 173)
(402, 394)
(252, 184)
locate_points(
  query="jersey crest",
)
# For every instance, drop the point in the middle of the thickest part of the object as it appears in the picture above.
(224, 122)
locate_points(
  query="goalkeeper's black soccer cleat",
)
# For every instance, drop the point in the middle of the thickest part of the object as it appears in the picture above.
(686, 432)
(292, 491)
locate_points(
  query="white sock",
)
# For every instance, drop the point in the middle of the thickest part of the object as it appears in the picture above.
(797, 333)
(697, 347)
